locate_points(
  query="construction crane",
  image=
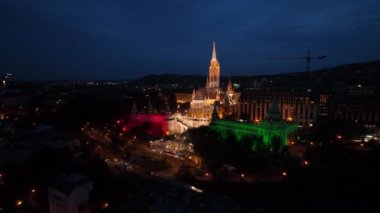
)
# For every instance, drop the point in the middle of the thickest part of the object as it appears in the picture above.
(308, 58)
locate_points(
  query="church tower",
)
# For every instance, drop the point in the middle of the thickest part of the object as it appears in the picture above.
(214, 71)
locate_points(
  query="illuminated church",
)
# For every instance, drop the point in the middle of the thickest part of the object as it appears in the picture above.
(203, 99)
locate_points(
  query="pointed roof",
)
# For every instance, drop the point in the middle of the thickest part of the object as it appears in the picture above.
(229, 86)
(134, 108)
(214, 53)
(149, 109)
(67, 185)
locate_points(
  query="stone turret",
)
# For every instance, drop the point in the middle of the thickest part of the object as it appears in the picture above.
(230, 88)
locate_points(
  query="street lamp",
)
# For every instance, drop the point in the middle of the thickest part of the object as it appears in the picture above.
(105, 205)
(19, 202)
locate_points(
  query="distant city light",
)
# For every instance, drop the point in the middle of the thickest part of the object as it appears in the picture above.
(19, 202)
(196, 189)
(105, 205)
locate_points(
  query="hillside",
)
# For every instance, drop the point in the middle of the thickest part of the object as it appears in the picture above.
(367, 73)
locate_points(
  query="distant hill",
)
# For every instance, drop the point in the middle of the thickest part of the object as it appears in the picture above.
(367, 73)
(184, 82)
(358, 73)
(362, 73)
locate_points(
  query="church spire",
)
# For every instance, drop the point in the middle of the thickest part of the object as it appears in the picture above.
(213, 52)
(134, 108)
(214, 71)
(230, 88)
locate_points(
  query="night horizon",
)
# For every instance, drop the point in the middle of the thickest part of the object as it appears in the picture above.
(127, 40)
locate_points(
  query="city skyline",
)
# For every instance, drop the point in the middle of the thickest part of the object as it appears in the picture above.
(189, 106)
(126, 40)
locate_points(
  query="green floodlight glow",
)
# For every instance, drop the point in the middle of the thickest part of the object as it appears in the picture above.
(273, 132)
(267, 130)
(271, 129)
(236, 86)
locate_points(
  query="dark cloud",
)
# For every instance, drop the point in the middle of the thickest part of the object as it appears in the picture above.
(97, 39)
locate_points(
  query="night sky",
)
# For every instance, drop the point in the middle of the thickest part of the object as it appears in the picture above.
(109, 39)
